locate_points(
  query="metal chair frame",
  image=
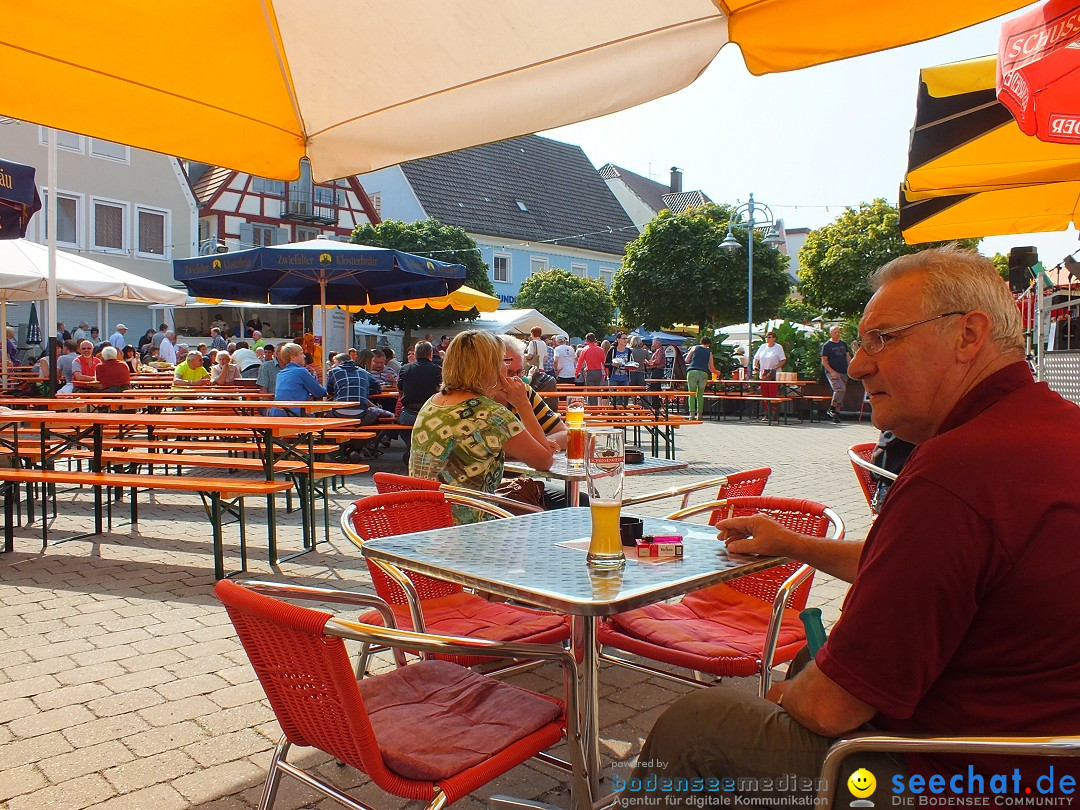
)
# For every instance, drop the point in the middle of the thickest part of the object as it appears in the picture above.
(859, 455)
(391, 637)
(392, 482)
(783, 594)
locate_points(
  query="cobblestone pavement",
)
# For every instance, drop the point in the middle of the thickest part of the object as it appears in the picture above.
(123, 686)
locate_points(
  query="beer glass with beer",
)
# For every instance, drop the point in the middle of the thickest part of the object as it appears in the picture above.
(575, 432)
(604, 463)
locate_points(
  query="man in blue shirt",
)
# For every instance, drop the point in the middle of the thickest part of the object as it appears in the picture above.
(347, 382)
(835, 356)
(294, 382)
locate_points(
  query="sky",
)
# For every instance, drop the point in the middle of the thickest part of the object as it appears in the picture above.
(807, 143)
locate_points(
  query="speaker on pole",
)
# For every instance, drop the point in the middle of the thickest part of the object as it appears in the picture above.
(1021, 260)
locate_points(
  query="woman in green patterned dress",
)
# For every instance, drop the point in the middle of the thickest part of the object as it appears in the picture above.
(461, 434)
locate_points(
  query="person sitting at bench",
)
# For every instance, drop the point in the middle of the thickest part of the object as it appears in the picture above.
(113, 374)
(294, 383)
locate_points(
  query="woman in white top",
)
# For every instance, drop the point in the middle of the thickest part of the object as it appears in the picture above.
(769, 359)
(224, 371)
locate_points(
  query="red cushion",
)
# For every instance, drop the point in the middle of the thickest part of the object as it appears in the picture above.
(434, 719)
(466, 614)
(715, 622)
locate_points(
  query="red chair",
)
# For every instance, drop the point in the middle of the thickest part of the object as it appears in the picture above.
(391, 482)
(859, 455)
(748, 482)
(431, 731)
(739, 628)
(431, 605)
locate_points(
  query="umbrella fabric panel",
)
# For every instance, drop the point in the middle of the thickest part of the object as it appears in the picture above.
(316, 272)
(462, 299)
(346, 85)
(965, 141)
(1030, 209)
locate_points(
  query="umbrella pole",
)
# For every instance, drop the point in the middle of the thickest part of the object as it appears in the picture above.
(322, 308)
(4, 360)
(52, 316)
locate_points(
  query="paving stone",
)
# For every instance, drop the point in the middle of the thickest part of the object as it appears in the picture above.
(248, 715)
(89, 759)
(74, 794)
(124, 702)
(142, 772)
(25, 750)
(157, 740)
(17, 781)
(158, 797)
(70, 695)
(187, 687)
(238, 695)
(137, 680)
(210, 783)
(28, 687)
(227, 747)
(174, 711)
(49, 721)
(105, 728)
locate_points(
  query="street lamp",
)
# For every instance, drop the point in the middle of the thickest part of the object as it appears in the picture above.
(745, 215)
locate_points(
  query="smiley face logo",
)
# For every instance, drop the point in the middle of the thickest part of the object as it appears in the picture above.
(862, 784)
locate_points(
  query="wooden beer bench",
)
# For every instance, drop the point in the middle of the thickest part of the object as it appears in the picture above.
(220, 496)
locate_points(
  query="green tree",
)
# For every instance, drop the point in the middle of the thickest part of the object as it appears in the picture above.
(1001, 264)
(676, 272)
(837, 258)
(578, 305)
(427, 237)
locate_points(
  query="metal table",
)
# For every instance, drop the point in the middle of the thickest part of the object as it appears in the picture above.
(561, 471)
(528, 558)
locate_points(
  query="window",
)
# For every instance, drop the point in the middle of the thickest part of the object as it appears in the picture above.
(152, 226)
(204, 230)
(109, 220)
(108, 150)
(500, 268)
(376, 203)
(275, 188)
(307, 234)
(607, 275)
(67, 218)
(64, 140)
(262, 235)
(579, 270)
(537, 266)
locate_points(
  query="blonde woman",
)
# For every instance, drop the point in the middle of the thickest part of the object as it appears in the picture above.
(462, 434)
(224, 371)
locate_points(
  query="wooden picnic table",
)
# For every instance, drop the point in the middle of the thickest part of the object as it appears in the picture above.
(277, 438)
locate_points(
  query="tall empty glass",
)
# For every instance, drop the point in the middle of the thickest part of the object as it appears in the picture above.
(575, 432)
(604, 464)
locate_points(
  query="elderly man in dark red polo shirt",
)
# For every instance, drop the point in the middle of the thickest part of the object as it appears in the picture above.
(962, 617)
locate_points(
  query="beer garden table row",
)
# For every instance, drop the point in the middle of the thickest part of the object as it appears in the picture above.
(276, 438)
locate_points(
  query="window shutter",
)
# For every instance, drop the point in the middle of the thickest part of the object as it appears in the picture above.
(247, 235)
(282, 236)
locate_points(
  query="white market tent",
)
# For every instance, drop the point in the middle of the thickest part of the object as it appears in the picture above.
(24, 276)
(512, 322)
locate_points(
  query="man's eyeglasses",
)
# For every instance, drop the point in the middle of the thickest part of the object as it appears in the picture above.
(874, 340)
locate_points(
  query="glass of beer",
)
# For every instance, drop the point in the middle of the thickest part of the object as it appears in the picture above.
(575, 432)
(604, 464)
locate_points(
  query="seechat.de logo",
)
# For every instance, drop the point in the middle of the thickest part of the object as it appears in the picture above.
(862, 785)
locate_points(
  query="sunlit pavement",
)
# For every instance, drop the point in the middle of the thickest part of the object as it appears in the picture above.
(123, 686)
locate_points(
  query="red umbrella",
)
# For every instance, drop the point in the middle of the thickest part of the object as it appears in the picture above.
(1038, 77)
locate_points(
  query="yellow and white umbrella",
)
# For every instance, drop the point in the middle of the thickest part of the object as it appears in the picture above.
(462, 299)
(972, 172)
(355, 85)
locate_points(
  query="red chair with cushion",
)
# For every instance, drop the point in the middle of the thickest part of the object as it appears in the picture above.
(431, 731)
(739, 628)
(859, 455)
(433, 605)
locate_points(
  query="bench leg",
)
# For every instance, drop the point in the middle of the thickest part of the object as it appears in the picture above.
(9, 512)
(219, 545)
(242, 515)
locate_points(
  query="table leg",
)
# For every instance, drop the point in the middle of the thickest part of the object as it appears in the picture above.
(572, 489)
(271, 516)
(586, 650)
